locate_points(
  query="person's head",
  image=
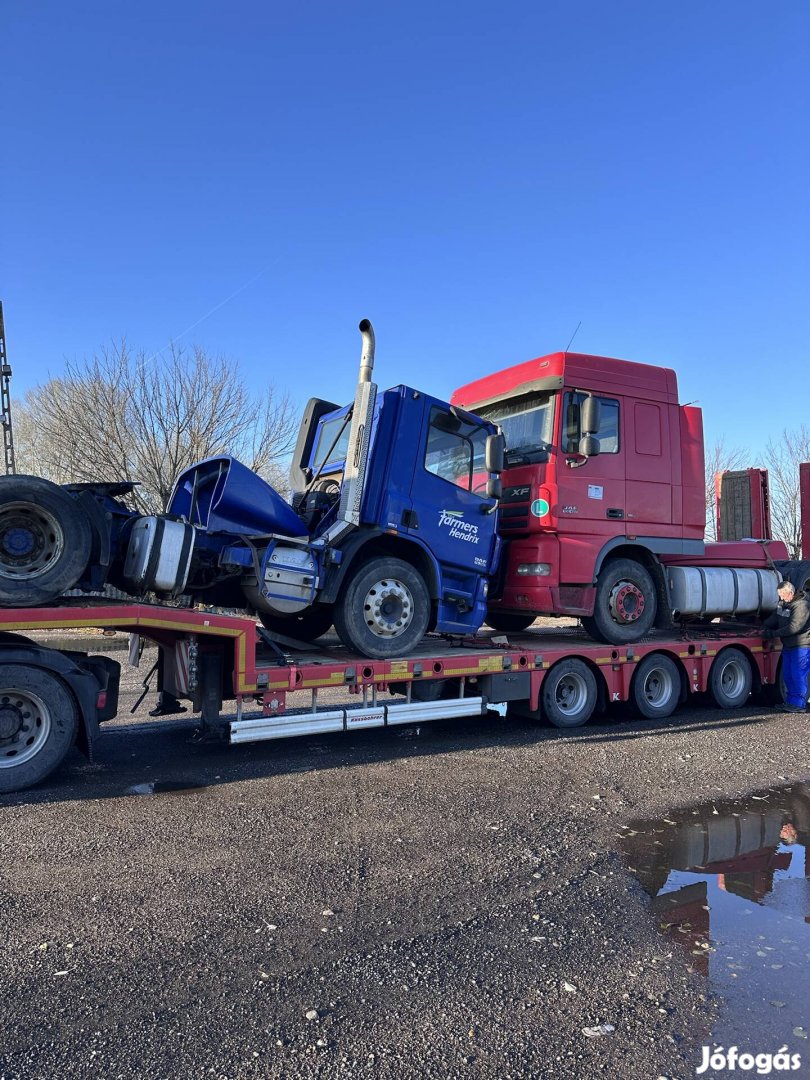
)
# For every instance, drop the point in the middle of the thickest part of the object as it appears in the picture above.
(786, 591)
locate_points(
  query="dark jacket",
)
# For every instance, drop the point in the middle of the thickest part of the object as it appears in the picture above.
(790, 622)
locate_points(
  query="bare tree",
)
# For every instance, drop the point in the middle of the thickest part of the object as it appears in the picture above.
(125, 416)
(783, 457)
(718, 459)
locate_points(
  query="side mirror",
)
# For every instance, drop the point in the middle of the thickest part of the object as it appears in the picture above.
(589, 417)
(589, 446)
(494, 453)
(494, 488)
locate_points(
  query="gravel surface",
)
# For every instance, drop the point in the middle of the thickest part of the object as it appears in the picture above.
(443, 904)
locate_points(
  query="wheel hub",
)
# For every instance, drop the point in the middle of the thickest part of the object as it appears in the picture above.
(388, 608)
(626, 602)
(25, 725)
(11, 721)
(31, 540)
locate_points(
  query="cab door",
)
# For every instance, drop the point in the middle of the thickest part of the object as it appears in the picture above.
(451, 511)
(591, 494)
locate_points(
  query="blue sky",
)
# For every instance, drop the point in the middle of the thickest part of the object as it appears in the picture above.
(475, 178)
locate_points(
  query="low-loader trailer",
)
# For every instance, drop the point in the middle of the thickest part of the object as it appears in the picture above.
(53, 699)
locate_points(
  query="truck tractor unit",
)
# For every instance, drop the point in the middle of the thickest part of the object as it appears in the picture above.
(603, 505)
(391, 530)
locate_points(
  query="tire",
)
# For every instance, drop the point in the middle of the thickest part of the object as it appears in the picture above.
(568, 695)
(656, 687)
(38, 723)
(308, 626)
(383, 608)
(45, 541)
(509, 624)
(626, 603)
(730, 679)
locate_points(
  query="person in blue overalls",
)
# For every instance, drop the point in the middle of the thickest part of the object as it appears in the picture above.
(791, 623)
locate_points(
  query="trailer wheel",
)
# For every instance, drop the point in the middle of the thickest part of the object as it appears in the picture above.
(383, 608)
(38, 723)
(509, 624)
(568, 695)
(45, 541)
(656, 687)
(625, 605)
(730, 679)
(308, 626)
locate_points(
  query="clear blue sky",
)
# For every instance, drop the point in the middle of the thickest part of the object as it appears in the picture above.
(474, 177)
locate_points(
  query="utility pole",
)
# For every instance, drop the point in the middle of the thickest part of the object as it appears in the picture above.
(5, 399)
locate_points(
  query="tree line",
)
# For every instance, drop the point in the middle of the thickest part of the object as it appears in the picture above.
(125, 415)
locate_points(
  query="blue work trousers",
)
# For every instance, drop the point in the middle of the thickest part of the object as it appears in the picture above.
(795, 669)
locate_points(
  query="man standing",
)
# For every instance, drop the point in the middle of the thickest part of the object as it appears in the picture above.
(791, 623)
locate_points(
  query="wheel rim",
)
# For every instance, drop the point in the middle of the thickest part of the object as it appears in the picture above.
(25, 724)
(658, 686)
(571, 695)
(31, 541)
(388, 608)
(626, 602)
(732, 679)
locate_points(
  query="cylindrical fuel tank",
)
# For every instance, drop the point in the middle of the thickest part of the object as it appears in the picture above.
(721, 590)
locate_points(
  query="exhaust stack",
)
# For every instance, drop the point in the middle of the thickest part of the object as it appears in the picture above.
(367, 355)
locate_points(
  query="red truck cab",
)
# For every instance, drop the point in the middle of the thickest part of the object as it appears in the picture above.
(589, 514)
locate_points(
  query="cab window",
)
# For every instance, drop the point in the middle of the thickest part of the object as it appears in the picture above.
(455, 451)
(608, 433)
(332, 443)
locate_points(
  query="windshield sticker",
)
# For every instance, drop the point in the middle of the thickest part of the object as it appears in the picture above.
(458, 528)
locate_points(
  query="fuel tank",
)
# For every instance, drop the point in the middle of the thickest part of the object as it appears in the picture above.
(722, 590)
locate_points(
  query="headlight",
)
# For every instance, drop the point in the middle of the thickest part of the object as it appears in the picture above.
(534, 569)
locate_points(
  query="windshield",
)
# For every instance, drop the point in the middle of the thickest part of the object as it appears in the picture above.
(527, 425)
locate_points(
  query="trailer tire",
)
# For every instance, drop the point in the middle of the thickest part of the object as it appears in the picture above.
(626, 603)
(383, 608)
(569, 694)
(45, 541)
(38, 724)
(508, 623)
(730, 679)
(308, 626)
(656, 686)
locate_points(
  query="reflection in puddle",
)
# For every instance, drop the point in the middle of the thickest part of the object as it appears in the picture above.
(729, 883)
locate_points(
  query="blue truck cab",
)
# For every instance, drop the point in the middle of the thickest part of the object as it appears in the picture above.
(390, 530)
(427, 501)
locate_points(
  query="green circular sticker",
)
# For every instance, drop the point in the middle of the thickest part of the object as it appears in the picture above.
(540, 508)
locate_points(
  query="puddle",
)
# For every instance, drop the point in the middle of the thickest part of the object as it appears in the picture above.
(164, 787)
(729, 887)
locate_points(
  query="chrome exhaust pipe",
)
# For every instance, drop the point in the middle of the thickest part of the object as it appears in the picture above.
(367, 355)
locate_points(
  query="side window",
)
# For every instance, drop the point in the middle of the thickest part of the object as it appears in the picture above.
(608, 433)
(455, 451)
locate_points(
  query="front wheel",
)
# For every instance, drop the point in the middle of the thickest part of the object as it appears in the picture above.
(383, 608)
(38, 722)
(625, 605)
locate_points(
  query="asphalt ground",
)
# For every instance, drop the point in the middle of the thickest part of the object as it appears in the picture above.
(450, 902)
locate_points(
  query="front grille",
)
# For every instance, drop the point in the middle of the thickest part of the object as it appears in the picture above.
(514, 517)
